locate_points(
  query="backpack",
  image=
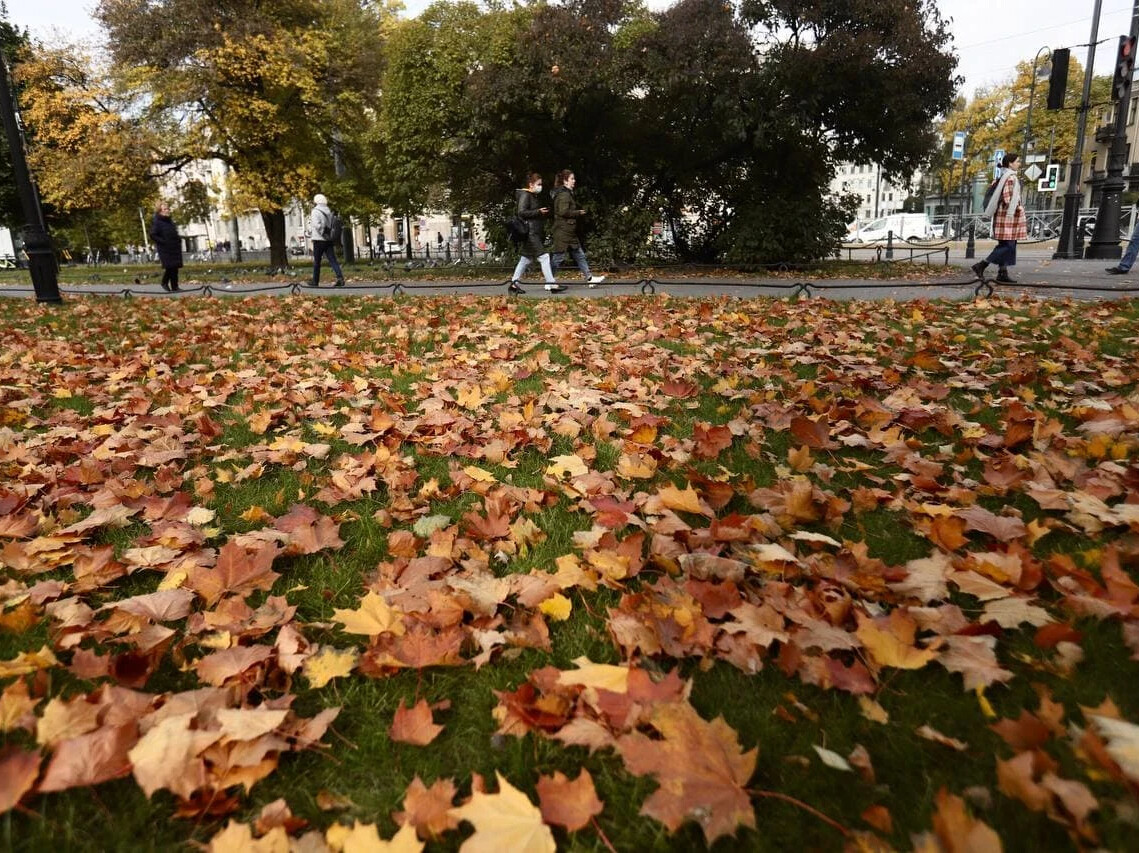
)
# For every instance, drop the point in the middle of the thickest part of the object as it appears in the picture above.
(517, 229)
(335, 227)
(989, 196)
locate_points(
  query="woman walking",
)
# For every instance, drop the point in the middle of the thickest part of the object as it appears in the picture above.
(164, 233)
(566, 214)
(1009, 224)
(531, 212)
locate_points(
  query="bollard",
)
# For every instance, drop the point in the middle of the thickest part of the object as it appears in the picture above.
(889, 245)
(447, 251)
(970, 244)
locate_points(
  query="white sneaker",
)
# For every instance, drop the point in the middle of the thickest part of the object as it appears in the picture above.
(595, 280)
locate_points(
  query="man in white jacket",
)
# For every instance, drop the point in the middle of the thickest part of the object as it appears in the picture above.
(320, 228)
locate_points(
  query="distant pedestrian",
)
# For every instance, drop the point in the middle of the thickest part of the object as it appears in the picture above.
(168, 244)
(1009, 224)
(566, 214)
(439, 239)
(322, 228)
(1128, 259)
(531, 212)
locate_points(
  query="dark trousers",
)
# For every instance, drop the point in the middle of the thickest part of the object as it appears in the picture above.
(320, 248)
(1004, 254)
(170, 277)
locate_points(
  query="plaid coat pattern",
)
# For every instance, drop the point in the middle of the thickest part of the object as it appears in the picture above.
(1009, 224)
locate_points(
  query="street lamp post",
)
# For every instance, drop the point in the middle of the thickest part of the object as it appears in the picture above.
(37, 243)
(1031, 97)
(1066, 246)
(1105, 239)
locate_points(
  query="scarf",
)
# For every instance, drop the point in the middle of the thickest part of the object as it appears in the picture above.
(1014, 202)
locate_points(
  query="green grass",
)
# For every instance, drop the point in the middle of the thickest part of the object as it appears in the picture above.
(239, 353)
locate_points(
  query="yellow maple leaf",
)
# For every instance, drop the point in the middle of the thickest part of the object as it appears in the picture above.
(374, 617)
(26, 662)
(570, 465)
(479, 475)
(329, 663)
(685, 501)
(557, 607)
(504, 821)
(590, 674)
(887, 649)
(365, 838)
(238, 838)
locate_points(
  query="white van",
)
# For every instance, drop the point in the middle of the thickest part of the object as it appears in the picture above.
(904, 225)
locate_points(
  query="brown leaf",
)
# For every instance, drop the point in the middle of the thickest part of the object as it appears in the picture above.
(91, 759)
(18, 771)
(219, 667)
(569, 804)
(960, 832)
(814, 434)
(238, 570)
(428, 809)
(414, 725)
(309, 531)
(700, 767)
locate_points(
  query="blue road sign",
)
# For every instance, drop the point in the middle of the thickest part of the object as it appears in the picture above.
(959, 145)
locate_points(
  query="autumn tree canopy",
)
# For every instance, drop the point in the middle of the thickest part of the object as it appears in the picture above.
(273, 91)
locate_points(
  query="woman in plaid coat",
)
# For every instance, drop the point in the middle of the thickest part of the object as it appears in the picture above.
(1009, 224)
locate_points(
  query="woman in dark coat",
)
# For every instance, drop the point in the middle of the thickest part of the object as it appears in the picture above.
(531, 212)
(164, 233)
(566, 214)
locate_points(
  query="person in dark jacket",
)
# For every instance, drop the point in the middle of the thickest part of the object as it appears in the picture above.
(531, 212)
(168, 244)
(566, 214)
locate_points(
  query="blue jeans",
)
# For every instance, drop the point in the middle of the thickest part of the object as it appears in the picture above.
(1128, 259)
(578, 255)
(543, 262)
(321, 248)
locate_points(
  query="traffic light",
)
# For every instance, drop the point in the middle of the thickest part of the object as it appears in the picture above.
(1051, 178)
(1058, 80)
(1124, 67)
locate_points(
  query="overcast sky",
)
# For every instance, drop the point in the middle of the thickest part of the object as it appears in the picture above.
(988, 44)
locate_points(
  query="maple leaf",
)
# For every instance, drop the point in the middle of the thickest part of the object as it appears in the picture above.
(682, 501)
(887, 648)
(975, 658)
(814, 434)
(504, 821)
(569, 804)
(308, 530)
(167, 756)
(700, 768)
(18, 771)
(238, 838)
(960, 832)
(1122, 743)
(62, 720)
(329, 663)
(414, 725)
(567, 466)
(90, 759)
(17, 708)
(428, 809)
(238, 570)
(372, 618)
(365, 838)
(221, 666)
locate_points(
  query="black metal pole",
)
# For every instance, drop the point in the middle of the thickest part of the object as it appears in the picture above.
(37, 243)
(1066, 247)
(1105, 239)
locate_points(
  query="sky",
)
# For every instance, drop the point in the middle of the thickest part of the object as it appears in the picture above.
(989, 45)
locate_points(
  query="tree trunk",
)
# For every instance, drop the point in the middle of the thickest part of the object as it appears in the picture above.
(348, 243)
(275, 227)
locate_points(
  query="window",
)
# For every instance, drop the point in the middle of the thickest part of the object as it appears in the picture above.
(1134, 107)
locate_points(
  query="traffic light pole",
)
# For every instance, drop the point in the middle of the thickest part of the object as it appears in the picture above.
(37, 243)
(1105, 240)
(1066, 247)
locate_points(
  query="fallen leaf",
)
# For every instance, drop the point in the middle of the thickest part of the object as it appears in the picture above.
(569, 804)
(506, 821)
(414, 725)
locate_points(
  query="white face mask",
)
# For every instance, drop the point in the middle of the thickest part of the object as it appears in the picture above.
(538, 188)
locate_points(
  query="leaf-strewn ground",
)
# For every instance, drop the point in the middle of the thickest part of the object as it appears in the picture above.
(639, 573)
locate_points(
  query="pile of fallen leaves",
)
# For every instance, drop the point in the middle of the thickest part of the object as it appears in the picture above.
(720, 462)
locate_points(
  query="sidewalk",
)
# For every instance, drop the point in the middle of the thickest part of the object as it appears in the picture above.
(1036, 274)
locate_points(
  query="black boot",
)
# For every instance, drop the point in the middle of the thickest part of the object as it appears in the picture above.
(1003, 276)
(979, 269)
(515, 289)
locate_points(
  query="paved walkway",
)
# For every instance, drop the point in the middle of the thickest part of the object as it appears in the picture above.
(1036, 274)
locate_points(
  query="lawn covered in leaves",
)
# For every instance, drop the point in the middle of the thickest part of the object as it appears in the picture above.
(634, 574)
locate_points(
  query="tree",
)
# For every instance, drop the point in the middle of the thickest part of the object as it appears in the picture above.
(93, 163)
(723, 120)
(274, 91)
